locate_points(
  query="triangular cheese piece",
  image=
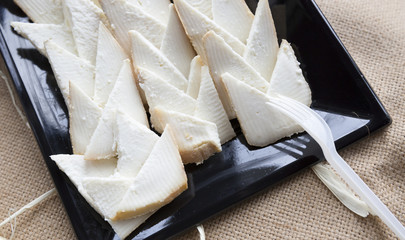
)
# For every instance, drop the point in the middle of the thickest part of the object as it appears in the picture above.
(42, 11)
(209, 107)
(125, 16)
(287, 78)
(134, 144)
(197, 25)
(84, 17)
(261, 124)
(176, 46)
(147, 56)
(125, 227)
(38, 34)
(156, 8)
(221, 59)
(160, 180)
(197, 139)
(160, 93)
(124, 97)
(194, 78)
(68, 67)
(108, 64)
(234, 16)
(84, 115)
(262, 44)
(204, 6)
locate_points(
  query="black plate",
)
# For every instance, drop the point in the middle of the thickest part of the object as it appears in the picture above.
(341, 95)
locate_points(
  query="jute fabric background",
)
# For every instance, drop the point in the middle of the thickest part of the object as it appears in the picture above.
(299, 208)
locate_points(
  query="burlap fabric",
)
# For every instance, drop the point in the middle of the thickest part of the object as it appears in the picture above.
(300, 208)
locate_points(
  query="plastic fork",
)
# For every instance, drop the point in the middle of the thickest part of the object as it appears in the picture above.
(319, 130)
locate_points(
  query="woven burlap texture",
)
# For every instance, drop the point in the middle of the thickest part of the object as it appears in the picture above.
(298, 208)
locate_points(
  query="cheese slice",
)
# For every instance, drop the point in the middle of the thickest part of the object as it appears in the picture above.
(158, 9)
(221, 59)
(262, 44)
(38, 34)
(175, 45)
(209, 107)
(124, 97)
(197, 25)
(204, 6)
(160, 180)
(68, 67)
(194, 78)
(160, 93)
(287, 78)
(108, 64)
(42, 11)
(125, 16)
(197, 139)
(234, 16)
(125, 227)
(147, 56)
(134, 144)
(84, 18)
(84, 115)
(261, 124)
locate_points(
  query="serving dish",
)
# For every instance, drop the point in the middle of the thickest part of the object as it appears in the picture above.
(341, 95)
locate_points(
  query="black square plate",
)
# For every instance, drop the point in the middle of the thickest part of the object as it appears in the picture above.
(341, 95)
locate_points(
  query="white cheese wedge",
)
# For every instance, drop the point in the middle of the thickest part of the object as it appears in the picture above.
(160, 93)
(175, 45)
(125, 16)
(68, 67)
(108, 64)
(287, 78)
(261, 124)
(160, 180)
(42, 11)
(84, 18)
(125, 227)
(38, 34)
(262, 44)
(221, 59)
(204, 6)
(194, 78)
(196, 138)
(124, 97)
(197, 25)
(147, 56)
(234, 16)
(84, 115)
(134, 144)
(209, 107)
(156, 8)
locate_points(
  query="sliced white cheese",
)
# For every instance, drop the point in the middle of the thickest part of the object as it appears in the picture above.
(204, 6)
(209, 107)
(68, 67)
(125, 227)
(124, 97)
(262, 44)
(84, 18)
(287, 78)
(196, 138)
(221, 59)
(197, 25)
(108, 64)
(160, 93)
(234, 16)
(42, 11)
(194, 78)
(38, 34)
(261, 124)
(84, 115)
(156, 8)
(147, 56)
(125, 16)
(160, 180)
(175, 45)
(134, 144)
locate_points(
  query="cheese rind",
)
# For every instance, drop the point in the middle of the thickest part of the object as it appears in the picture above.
(42, 11)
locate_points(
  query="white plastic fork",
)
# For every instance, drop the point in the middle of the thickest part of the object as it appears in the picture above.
(319, 130)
